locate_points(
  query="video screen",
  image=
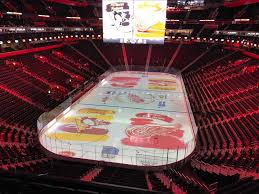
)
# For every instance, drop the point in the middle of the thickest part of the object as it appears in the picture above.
(135, 21)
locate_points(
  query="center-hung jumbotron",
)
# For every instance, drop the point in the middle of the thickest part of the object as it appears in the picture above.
(133, 118)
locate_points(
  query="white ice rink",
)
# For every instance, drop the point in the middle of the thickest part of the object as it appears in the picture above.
(133, 118)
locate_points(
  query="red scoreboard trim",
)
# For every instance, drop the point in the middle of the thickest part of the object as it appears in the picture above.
(82, 3)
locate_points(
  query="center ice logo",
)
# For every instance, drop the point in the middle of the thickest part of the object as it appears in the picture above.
(132, 98)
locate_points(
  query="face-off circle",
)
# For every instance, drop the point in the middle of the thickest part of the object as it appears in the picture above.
(132, 98)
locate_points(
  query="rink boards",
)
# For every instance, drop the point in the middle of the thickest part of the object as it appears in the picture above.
(133, 118)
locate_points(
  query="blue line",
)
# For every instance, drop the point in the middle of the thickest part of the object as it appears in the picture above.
(131, 108)
(168, 91)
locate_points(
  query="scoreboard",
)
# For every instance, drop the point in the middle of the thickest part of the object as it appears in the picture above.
(134, 21)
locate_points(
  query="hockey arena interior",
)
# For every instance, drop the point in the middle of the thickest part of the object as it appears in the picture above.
(129, 96)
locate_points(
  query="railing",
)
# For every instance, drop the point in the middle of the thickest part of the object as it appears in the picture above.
(27, 29)
(125, 155)
(47, 118)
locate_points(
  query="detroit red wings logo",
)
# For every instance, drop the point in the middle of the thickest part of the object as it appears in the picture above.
(146, 131)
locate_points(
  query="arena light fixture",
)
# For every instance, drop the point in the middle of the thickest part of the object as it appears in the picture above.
(1, 42)
(207, 20)
(13, 13)
(74, 18)
(44, 16)
(242, 20)
(16, 41)
(8, 41)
